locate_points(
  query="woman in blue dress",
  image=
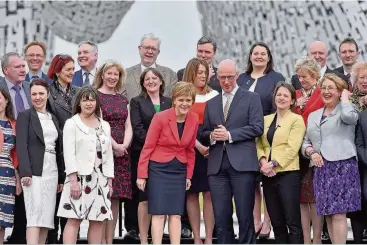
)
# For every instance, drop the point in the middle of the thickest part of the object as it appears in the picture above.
(9, 177)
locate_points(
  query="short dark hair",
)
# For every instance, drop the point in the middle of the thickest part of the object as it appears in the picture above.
(269, 65)
(205, 40)
(87, 92)
(142, 78)
(349, 40)
(9, 112)
(290, 89)
(39, 82)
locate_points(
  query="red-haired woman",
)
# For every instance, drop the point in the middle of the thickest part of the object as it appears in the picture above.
(60, 103)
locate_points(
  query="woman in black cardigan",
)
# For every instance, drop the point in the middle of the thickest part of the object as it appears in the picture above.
(261, 78)
(41, 163)
(142, 109)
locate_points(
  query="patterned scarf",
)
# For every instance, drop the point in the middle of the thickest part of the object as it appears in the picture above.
(308, 93)
(356, 96)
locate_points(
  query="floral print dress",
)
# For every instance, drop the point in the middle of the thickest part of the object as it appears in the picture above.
(95, 200)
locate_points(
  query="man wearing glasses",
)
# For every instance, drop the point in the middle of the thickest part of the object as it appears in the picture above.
(87, 60)
(35, 56)
(149, 51)
(205, 50)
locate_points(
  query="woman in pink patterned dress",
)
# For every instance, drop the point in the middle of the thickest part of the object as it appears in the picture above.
(109, 81)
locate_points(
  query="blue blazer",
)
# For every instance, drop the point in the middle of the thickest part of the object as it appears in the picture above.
(264, 87)
(244, 122)
(78, 79)
(44, 76)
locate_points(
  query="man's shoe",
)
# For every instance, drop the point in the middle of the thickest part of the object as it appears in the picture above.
(365, 234)
(52, 239)
(165, 236)
(186, 233)
(133, 234)
(325, 235)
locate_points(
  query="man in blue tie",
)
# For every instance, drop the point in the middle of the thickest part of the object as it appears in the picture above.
(35, 55)
(13, 67)
(87, 60)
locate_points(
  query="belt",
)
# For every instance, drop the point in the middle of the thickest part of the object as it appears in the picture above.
(50, 151)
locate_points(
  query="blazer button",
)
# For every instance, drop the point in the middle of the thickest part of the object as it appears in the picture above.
(103, 141)
(104, 152)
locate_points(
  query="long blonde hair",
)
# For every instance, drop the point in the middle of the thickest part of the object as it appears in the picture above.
(98, 81)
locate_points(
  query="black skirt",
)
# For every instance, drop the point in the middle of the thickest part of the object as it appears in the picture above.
(166, 188)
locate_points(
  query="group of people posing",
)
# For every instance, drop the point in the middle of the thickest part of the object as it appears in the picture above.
(73, 145)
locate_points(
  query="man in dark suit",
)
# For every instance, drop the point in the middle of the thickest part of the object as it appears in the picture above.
(13, 67)
(348, 54)
(35, 56)
(319, 51)
(87, 60)
(232, 163)
(205, 50)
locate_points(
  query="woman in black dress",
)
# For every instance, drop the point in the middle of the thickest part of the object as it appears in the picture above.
(168, 159)
(142, 109)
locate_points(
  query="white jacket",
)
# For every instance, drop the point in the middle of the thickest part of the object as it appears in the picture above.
(80, 148)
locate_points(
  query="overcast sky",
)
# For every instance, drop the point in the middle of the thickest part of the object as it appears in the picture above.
(177, 23)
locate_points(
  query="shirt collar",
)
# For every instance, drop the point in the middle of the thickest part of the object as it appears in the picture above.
(322, 71)
(92, 72)
(30, 74)
(233, 92)
(11, 85)
(144, 67)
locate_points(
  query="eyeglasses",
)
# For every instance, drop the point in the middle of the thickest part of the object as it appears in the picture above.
(223, 78)
(330, 89)
(38, 56)
(147, 48)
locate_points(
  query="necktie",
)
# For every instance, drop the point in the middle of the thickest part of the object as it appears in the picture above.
(227, 105)
(348, 76)
(86, 80)
(19, 104)
(34, 77)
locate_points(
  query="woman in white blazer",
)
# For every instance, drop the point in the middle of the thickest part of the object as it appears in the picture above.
(89, 168)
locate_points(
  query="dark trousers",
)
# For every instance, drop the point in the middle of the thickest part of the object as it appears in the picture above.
(19, 232)
(282, 194)
(228, 183)
(131, 206)
(57, 220)
(359, 219)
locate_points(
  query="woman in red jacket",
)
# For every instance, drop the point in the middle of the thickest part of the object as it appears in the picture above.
(168, 158)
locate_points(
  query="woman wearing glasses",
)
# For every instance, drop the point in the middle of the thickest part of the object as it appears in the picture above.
(329, 143)
(261, 78)
(60, 103)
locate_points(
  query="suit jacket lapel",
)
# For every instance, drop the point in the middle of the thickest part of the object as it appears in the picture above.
(161, 70)
(234, 102)
(27, 78)
(27, 92)
(36, 124)
(149, 103)
(173, 125)
(220, 102)
(136, 82)
(330, 115)
(164, 103)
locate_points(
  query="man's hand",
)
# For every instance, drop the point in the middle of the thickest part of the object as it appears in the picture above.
(220, 133)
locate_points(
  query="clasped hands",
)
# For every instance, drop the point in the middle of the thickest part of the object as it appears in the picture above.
(267, 169)
(220, 134)
(120, 150)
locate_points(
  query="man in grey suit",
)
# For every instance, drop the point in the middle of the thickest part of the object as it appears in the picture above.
(149, 51)
(13, 67)
(232, 162)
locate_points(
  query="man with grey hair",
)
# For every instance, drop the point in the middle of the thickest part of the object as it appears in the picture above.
(87, 60)
(319, 51)
(149, 50)
(13, 67)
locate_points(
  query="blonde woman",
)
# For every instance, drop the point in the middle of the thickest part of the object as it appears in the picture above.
(109, 81)
(197, 73)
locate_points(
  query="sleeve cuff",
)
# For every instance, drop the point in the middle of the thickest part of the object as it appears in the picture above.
(229, 137)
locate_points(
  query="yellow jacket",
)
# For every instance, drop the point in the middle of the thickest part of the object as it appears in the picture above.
(286, 142)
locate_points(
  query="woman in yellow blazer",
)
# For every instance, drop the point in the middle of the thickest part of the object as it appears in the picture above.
(277, 150)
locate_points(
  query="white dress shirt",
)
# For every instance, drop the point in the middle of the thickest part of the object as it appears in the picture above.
(322, 71)
(143, 68)
(92, 75)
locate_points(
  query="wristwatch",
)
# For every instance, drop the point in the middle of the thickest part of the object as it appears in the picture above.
(274, 163)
